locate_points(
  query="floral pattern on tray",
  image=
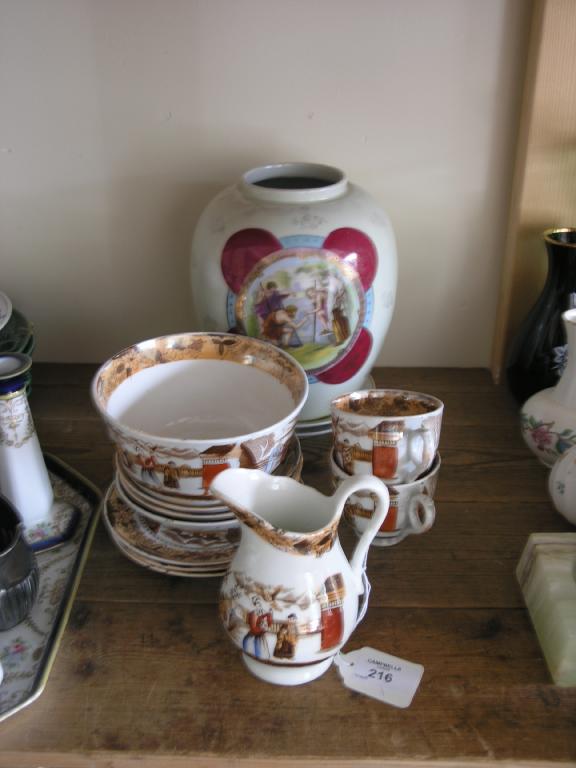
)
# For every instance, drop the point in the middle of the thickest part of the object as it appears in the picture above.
(28, 649)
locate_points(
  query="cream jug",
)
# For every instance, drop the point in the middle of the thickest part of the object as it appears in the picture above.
(290, 598)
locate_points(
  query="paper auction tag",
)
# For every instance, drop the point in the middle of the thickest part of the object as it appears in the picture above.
(384, 677)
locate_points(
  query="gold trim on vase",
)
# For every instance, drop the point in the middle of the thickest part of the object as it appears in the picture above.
(547, 236)
(329, 260)
(12, 395)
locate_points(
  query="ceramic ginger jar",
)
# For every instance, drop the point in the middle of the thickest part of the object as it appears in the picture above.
(298, 256)
(548, 418)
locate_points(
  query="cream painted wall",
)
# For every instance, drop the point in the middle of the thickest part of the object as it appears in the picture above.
(120, 119)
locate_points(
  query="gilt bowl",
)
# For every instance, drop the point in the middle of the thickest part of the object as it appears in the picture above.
(182, 408)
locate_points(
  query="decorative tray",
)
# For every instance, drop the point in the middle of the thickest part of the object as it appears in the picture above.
(28, 650)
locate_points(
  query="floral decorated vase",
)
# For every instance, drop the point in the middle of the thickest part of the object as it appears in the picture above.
(548, 418)
(562, 485)
(296, 255)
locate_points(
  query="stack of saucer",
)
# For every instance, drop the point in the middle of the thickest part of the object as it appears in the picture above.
(394, 435)
(176, 534)
(180, 409)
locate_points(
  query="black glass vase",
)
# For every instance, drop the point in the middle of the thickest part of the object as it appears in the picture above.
(537, 355)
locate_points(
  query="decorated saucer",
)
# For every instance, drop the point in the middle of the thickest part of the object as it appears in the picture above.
(149, 498)
(290, 466)
(176, 511)
(189, 548)
(182, 571)
(180, 518)
(211, 563)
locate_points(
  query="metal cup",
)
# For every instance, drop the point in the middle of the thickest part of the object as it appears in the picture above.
(19, 577)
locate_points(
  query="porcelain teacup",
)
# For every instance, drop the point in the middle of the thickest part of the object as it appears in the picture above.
(412, 509)
(390, 433)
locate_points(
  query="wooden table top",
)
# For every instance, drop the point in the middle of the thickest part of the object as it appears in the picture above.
(146, 676)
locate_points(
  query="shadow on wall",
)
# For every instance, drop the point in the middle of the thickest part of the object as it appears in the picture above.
(103, 266)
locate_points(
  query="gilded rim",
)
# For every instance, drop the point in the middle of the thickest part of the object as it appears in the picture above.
(336, 182)
(341, 405)
(548, 236)
(349, 277)
(24, 363)
(144, 354)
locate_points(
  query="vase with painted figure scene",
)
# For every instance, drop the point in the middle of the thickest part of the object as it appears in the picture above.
(548, 418)
(298, 256)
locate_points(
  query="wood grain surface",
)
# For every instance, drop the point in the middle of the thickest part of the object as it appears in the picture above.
(145, 676)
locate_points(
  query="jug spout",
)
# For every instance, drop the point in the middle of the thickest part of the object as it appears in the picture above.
(295, 518)
(286, 514)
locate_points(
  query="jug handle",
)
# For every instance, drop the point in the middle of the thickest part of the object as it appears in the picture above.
(427, 505)
(360, 554)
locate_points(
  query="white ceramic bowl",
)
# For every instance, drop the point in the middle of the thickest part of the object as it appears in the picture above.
(290, 466)
(181, 408)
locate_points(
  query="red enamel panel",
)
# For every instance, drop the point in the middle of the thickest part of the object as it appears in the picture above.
(357, 249)
(242, 251)
(351, 362)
